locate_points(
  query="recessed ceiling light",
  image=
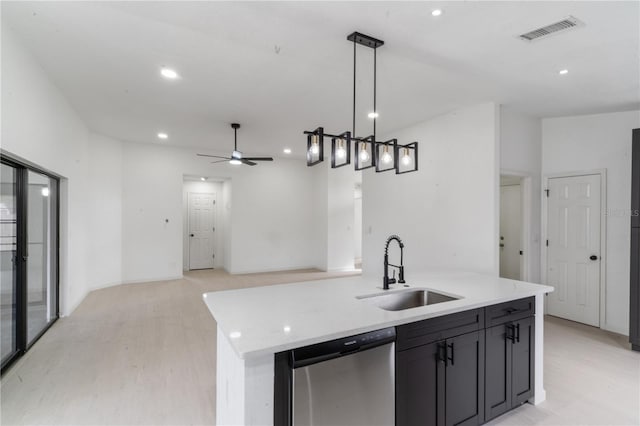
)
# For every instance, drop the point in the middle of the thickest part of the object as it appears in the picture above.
(203, 179)
(563, 72)
(287, 150)
(373, 115)
(436, 12)
(162, 135)
(235, 334)
(169, 74)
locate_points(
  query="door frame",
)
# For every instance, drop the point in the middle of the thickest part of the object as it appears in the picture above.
(525, 206)
(215, 222)
(544, 251)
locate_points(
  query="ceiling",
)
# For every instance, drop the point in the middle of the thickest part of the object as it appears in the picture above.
(279, 68)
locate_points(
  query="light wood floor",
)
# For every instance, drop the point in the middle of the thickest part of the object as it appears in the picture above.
(144, 354)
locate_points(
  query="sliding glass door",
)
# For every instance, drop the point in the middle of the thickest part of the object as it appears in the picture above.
(8, 262)
(29, 238)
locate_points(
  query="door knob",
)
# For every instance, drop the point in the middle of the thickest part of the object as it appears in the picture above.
(593, 257)
(191, 235)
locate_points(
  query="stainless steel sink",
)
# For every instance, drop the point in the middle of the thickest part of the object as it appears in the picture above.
(407, 299)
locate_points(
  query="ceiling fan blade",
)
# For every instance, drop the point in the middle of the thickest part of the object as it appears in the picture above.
(247, 162)
(220, 161)
(259, 158)
(213, 156)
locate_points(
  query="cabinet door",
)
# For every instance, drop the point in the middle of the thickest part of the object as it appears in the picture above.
(497, 395)
(419, 381)
(523, 352)
(464, 394)
(634, 329)
(635, 183)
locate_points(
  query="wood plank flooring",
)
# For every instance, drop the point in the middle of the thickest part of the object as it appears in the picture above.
(144, 354)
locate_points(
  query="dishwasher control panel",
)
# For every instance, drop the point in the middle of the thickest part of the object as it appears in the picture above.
(341, 347)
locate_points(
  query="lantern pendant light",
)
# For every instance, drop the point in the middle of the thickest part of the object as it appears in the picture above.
(368, 152)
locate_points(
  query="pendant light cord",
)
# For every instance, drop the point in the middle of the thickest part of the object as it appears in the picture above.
(375, 111)
(353, 129)
(235, 139)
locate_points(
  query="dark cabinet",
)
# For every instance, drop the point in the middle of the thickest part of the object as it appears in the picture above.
(635, 180)
(634, 308)
(634, 329)
(419, 379)
(509, 366)
(464, 379)
(440, 382)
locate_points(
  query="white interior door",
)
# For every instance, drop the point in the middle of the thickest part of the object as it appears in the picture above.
(510, 232)
(201, 230)
(573, 255)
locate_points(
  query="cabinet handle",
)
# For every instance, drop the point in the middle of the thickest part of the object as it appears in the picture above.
(518, 333)
(511, 310)
(510, 333)
(450, 358)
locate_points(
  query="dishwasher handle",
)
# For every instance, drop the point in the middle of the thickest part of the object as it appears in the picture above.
(313, 354)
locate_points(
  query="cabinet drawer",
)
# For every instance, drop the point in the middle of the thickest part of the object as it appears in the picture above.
(509, 311)
(434, 329)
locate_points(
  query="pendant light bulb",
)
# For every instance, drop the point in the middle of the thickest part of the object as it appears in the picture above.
(386, 157)
(341, 153)
(364, 154)
(406, 158)
(315, 147)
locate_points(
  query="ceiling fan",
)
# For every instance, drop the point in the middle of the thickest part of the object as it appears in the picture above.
(236, 156)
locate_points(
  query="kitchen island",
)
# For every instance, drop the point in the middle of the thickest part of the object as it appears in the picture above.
(254, 324)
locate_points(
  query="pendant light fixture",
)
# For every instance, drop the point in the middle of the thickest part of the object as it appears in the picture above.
(368, 152)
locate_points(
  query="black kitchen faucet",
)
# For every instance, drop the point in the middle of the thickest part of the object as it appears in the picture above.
(386, 280)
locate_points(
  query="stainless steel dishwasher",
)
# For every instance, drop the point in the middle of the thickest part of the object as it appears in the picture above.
(346, 382)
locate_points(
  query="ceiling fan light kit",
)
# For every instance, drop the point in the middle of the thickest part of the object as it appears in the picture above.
(368, 152)
(236, 156)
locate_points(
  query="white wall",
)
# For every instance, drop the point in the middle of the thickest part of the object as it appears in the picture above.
(270, 210)
(340, 220)
(601, 141)
(272, 217)
(104, 218)
(39, 125)
(446, 213)
(226, 224)
(200, 187)
(521, 154)
(357, 222)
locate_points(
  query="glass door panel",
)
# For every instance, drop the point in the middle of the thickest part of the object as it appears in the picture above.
(41, 260)
(8, 261)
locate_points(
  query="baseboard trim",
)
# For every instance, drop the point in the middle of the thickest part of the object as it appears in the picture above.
(153, 280)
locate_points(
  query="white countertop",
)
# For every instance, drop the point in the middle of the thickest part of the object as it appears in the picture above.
(265, 320)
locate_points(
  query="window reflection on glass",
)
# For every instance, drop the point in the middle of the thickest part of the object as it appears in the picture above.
(8, 245)
(41, 263)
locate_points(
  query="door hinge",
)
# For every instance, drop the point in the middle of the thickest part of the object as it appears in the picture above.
(213, 229)
(547, 243)
(214, 201)
(520, 252)
(213, 255)
(547, 192)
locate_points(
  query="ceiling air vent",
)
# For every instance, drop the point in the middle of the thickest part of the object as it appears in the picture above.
(566, 24)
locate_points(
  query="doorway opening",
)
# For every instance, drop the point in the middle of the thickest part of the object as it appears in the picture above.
(202, 224)
(29, 247)
(515, 207)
